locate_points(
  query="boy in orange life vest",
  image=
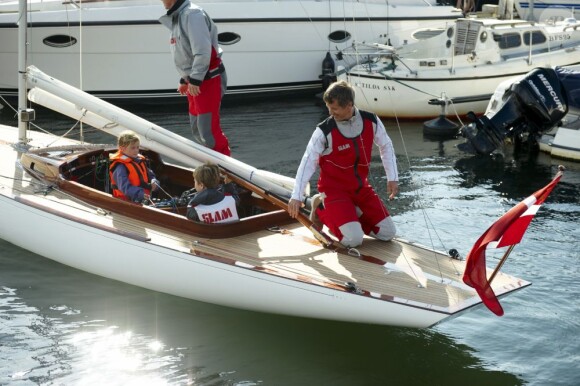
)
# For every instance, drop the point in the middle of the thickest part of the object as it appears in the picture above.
(131, 178)
(213, 203)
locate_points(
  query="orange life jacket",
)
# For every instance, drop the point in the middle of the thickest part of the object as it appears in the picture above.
(136, 172)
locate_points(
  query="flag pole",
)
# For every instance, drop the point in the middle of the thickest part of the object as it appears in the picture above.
(500, 264)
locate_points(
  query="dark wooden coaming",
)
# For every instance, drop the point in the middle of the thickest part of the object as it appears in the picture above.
(83, 176)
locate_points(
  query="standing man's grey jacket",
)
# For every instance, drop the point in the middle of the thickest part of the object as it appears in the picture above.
(191, 32)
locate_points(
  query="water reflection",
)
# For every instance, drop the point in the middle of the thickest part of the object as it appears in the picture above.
(75, 328)
(59, 325)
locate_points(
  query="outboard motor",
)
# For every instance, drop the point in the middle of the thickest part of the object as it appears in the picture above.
(532, 105)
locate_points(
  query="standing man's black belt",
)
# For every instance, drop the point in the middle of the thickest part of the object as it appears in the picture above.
(215, 72)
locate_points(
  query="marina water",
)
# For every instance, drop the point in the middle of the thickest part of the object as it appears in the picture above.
(61, 326)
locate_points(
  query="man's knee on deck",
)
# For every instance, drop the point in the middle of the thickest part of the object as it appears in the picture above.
(385, 230)
(352, 234)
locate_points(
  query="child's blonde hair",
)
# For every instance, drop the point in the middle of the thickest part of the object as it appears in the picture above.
(208, 175)
(126, 138)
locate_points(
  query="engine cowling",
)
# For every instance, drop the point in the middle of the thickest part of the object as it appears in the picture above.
(533, 104)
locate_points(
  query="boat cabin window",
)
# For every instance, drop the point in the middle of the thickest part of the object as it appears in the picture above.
(536, 37)
(59, 41)
(228, 38)
(339, 36)
(483, 37)
(508, 40)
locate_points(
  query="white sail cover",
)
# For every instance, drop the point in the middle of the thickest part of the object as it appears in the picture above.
(68, 100)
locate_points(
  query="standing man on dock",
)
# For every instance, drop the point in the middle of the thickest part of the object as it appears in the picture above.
(342, 147)
(196, 53)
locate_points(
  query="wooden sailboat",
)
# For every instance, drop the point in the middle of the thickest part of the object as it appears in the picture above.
(54, 202)
(265, 262)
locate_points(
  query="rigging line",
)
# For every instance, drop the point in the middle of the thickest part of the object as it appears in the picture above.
(25, 180)
(164, 191)
(55, 189)
(72, 128)
(368, 17)
(8, 104)
(330, 24)
(407, 259)
(418, 198)
(40, 128)
(34, 183)
(39, 188)
(58, 194)
(344, 13)
(387, 77)
(456, 113)
(395, 56)
(67, 132)
(80, 8)
(44, 130)
(428, 224)
(69, 30)
(310, 19)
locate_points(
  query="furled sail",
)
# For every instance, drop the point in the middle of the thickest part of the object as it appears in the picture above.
(111, 119)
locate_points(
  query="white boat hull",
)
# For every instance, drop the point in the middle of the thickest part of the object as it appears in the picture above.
(409, 97)
(124, 52)
(182, 274)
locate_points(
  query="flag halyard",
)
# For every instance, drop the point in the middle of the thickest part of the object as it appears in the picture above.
(506, 231)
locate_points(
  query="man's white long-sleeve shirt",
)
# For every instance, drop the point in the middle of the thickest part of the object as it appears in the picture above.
(320, 145)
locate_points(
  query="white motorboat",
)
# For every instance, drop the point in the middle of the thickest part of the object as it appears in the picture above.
(269, 46)
(461, 67)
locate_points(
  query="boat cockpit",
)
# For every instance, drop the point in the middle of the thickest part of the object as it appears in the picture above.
(82, 171)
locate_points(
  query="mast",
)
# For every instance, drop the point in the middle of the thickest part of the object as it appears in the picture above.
(25, 115)
(531, 11)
